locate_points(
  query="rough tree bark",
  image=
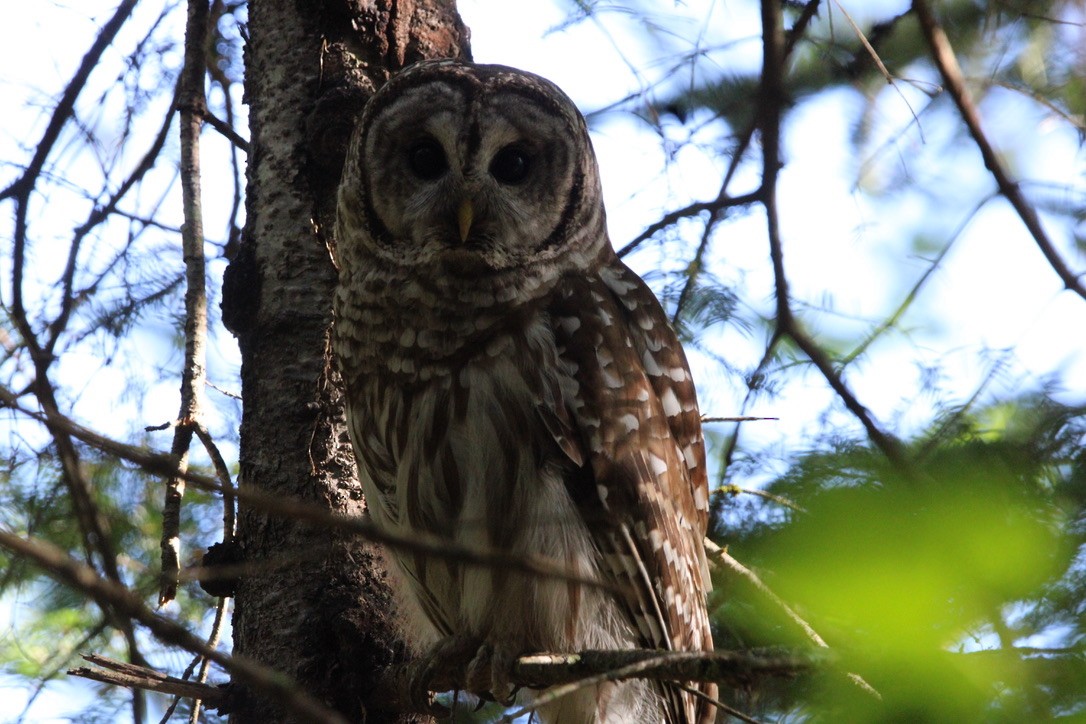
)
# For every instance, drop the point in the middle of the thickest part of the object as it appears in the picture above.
(319, 609)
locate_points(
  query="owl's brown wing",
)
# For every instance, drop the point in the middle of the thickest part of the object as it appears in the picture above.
(635, 409)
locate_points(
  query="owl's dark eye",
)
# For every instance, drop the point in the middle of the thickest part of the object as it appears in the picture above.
(427, 160)
(511, 165)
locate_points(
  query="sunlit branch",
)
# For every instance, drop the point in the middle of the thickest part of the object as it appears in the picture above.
(574, 670)
(724, 558)
(947, 63)
(192, 104)
(779, 499)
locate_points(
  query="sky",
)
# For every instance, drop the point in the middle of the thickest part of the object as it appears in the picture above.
(842, 228)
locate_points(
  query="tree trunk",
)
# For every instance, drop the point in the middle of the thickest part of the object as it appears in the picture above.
(318, 608)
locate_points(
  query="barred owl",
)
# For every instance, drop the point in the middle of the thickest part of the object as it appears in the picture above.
(513, 386)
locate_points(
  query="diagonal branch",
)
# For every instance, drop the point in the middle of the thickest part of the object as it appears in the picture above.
(63, 569)
(306, 512)
(96, 217)
(121, 673)
(723, 201)
(947, 63)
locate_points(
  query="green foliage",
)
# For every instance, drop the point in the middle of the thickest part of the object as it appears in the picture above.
(955, 589)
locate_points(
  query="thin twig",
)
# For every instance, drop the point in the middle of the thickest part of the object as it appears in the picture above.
(694, 209)
(720, 555)
(878, 63)
(738, 418)
(891, 321)
(779, 499)
(222, 472)
(120, 673)
(205, 663)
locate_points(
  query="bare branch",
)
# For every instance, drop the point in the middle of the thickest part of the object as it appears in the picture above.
(723, 201)
(62, 113)
(223, 474)
(737, 490)
(120, 673)
(773, 98)
(114, 596)
(698, 207)
(225, 129)
(947, 63)
(192, 104)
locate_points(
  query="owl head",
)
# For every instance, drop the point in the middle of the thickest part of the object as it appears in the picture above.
(471, 171)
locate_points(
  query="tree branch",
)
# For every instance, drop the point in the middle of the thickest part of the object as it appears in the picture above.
(540, 671)
(947, 63)
(303, 511)
(120, 673)
(773, 99)
(192, 104)
(59, 566)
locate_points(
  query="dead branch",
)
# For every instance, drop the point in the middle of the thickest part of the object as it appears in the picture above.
(120, 673)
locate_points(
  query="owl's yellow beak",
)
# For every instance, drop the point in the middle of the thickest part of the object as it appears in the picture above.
(464, 216)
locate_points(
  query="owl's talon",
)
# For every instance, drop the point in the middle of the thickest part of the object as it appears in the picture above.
(422, 699)
(488, 674)
(447, 656)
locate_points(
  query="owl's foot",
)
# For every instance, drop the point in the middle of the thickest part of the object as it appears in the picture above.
(435, 670)
(488, 674)
(463, 661)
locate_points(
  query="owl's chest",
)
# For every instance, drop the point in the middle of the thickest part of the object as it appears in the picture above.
(416, 332)
(466, 439)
